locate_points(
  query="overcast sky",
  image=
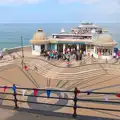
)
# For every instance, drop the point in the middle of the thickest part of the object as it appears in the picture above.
(32, 11)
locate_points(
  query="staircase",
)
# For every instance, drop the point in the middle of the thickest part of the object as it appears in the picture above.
(63, 75)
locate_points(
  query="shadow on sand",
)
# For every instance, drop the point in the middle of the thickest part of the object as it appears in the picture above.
(29, 114)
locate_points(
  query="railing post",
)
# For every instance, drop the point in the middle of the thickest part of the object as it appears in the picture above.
(75, 102)
(15, 96)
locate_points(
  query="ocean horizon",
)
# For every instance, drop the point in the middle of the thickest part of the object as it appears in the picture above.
(10, 33)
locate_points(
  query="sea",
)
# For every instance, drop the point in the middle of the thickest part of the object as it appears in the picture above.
(10, 33)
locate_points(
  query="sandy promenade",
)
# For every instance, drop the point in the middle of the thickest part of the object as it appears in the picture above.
(12, 73)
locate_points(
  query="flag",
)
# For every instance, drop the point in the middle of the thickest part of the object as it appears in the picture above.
(35, 92)
(106, 98)
(78, 91)
(89, 92)
(14, 88)
(23, 92)
(48, 93)
(118, 95)
(62, 95)
(5, 87)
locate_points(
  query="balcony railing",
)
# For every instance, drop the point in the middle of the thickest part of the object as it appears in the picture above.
(75, 99)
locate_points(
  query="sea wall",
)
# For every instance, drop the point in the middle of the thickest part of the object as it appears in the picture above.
(17, 49)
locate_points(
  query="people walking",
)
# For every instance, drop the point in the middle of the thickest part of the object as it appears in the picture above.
(114, 55)
(68, 62)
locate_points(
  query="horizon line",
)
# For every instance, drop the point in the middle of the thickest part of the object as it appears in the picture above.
(51, 22)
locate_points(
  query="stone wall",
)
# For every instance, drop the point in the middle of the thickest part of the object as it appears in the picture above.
(17, 49)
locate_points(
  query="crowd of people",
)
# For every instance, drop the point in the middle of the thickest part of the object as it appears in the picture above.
(67, 55)
(52, 54)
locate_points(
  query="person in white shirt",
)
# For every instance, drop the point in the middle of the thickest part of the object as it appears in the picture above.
(114, 55)
(84, 53)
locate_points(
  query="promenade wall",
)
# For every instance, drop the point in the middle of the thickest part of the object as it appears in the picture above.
(17, 49)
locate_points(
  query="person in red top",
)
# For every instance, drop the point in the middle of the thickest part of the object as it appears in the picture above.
(25, 67)
(99, 54)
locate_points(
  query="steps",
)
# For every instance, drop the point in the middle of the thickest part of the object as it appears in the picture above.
(29, 76)
(79, 73)
(71, 76)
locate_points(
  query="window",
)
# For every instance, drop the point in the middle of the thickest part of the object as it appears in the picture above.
(33, 47)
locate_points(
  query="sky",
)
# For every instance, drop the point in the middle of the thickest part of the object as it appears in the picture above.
(59, 11)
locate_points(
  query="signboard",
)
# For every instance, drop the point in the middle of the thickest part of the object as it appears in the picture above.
(54, 41)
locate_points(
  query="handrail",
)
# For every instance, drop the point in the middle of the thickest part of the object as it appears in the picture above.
(75, 99)
(56, 90)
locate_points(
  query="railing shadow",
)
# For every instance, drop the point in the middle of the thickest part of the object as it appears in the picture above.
(24, 113)
(46, 112)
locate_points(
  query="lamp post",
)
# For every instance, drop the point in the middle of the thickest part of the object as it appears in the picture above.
(22, 62)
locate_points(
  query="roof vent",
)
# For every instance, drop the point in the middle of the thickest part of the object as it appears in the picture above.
(62, 30)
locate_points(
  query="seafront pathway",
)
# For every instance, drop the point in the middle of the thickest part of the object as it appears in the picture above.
(86, 60)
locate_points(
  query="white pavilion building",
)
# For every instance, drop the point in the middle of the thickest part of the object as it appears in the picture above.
(87, 37)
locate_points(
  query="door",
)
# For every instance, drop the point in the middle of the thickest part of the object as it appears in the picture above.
(60, 47)
(42, 48)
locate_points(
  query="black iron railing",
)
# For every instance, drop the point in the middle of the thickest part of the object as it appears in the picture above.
(75, 99)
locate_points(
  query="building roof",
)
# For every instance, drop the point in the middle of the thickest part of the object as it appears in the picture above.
(39, 37)
(104, 40)
(101, 40)
(91, 25)
(70, 34)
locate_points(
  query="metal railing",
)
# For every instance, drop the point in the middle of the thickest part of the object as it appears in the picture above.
(75, 99)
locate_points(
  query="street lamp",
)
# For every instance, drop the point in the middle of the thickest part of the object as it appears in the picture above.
(22, 47)
(22, 62)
